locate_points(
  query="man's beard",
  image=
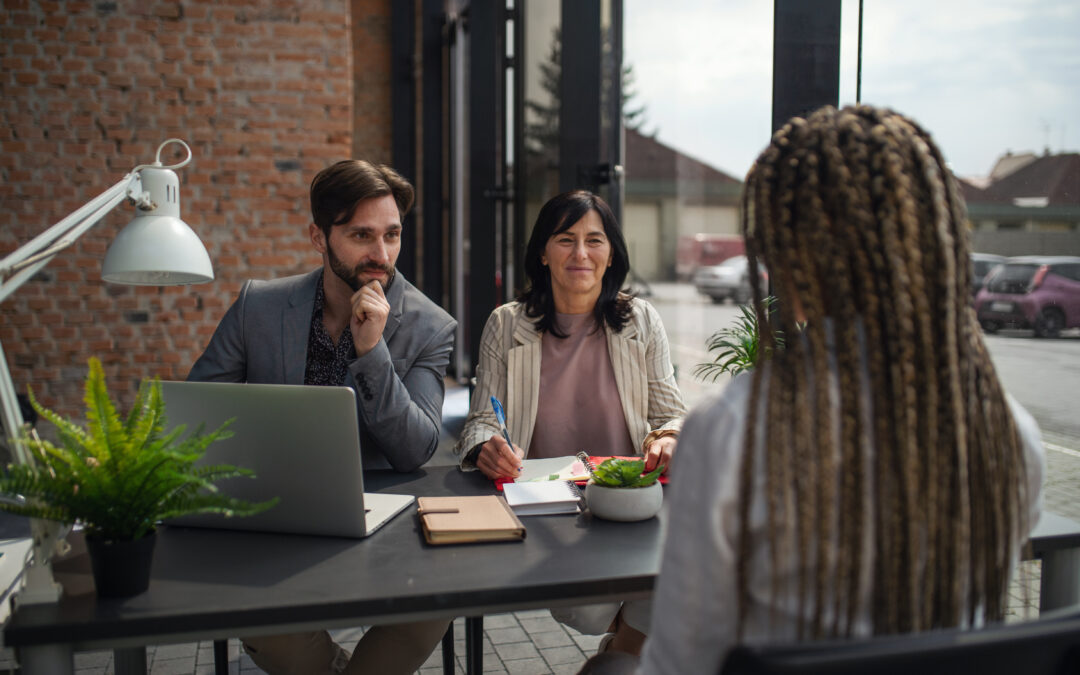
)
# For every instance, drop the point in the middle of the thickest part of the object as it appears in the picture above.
(350, 275)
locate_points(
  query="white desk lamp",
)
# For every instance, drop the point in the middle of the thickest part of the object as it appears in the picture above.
(155, 249)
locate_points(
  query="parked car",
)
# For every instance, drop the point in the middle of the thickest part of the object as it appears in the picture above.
(1036, 292)
(729, 279)
(981, 264)
(702, 250)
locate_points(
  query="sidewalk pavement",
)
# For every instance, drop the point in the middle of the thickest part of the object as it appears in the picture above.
(525, 643)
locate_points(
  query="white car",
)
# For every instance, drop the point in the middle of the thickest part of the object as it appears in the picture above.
(729, 279)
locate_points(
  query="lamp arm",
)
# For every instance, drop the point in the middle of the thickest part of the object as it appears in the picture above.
(114, 195)
(69, 238)
(25, 269)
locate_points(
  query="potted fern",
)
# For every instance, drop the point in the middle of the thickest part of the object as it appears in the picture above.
(739, 347)
(118, 477)
(621, 490)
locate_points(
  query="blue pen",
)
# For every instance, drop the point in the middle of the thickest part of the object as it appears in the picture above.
(500, 415)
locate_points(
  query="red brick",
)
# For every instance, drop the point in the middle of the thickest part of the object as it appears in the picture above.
(50, 318)
(174, 53)
(78, 36)
(167, 10)
(88, 80)
(88, 51)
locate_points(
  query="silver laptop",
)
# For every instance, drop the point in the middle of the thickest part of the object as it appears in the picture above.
(303, 444)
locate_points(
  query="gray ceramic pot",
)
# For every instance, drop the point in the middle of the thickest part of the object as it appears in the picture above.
(625, 504)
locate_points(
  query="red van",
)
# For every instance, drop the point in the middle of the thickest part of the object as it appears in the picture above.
(701, 250)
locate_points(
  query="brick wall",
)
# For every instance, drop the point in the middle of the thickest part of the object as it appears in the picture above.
(261, 90)
(372, 124)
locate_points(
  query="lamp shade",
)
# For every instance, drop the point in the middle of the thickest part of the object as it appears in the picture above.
(157, 248)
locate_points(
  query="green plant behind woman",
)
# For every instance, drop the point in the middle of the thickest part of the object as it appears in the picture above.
(118, 477)
(738, 347)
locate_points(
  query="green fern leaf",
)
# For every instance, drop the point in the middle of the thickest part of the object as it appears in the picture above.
(119, 476)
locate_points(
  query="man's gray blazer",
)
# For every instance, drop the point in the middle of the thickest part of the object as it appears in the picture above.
(263, 338)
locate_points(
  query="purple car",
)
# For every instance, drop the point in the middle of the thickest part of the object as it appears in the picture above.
(1039, 292)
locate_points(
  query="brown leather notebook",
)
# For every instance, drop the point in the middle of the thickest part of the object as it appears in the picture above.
(460, 520)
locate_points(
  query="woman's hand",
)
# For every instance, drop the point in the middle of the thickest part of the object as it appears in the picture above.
(660, 451)
(498, 460)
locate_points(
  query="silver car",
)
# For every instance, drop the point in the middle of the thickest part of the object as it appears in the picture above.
(729, 279)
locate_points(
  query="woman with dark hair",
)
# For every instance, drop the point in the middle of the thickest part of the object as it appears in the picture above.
(579, 365)
(872, 476)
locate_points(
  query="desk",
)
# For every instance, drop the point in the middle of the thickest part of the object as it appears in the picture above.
(210, 584)
(217, 584)
(1056, 541)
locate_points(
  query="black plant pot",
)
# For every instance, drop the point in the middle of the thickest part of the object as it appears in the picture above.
(121, 566)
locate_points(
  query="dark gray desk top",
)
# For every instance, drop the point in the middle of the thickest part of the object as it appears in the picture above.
(1054, 533)
(209, 584)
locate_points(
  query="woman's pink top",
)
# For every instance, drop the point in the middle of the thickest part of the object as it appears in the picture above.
(579, 406)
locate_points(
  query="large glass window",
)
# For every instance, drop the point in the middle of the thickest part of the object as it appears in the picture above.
(994, 81)
(698, 87)
(996, 84)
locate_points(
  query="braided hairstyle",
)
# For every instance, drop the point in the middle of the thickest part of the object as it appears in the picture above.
(863, 231)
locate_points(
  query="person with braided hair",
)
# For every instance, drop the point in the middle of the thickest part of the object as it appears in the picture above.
(871, 476)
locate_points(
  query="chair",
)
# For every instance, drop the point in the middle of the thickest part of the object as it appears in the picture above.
(1049, 645)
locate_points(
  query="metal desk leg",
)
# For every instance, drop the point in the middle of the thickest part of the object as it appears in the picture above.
(474, 645)
(221, 657)
(1059, 585)
(448, 650)
(46, 660)
(130, 661)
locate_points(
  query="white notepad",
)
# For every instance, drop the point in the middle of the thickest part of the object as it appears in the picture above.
(553, 469)
(541, 499)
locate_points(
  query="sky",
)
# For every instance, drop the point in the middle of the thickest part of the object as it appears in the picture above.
(983, 76)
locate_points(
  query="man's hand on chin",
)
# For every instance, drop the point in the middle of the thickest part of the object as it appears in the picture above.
(369, 312)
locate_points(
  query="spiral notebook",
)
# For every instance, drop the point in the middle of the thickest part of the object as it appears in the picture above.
(543, 498)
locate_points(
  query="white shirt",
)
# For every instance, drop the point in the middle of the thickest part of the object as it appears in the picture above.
(694, 619)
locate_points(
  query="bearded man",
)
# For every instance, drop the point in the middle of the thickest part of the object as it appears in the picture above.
(357, 322)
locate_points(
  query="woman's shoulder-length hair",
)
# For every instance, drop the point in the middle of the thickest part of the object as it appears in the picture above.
(559, 214)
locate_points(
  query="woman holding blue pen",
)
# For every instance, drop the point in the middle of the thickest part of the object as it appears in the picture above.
(579, 365)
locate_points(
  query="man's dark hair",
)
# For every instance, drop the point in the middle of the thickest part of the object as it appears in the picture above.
(337, 189)
(558, 215)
